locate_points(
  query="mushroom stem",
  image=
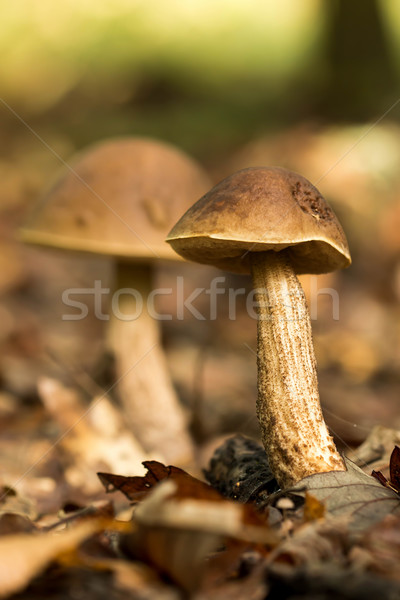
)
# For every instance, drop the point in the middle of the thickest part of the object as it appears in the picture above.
(293, 429)
(145, 389)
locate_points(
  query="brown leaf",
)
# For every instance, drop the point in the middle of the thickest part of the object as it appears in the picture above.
(176, 533)
(181, 519)
(137, 488)
(394, 482)
(186, 487)
(225, 517)
(177, 553)
(395, 468)
(23, 556)
(379, 476)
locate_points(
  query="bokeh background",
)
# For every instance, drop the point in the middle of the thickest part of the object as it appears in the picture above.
(312, 86)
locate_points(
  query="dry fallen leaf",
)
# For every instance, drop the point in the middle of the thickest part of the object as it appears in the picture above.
(165, 507)
(393, 483)
(395, 468)
(174, 546)
(180, 520)
(177, 533)
(23, 556)
(351, 494)
(186, 487)
(93, 436)
(375, 451)
(138, 487)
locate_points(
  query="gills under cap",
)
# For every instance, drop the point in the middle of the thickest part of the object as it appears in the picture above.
(260, 209)
(119, 198)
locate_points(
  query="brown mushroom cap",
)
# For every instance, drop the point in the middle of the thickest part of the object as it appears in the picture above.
(260, 209)
(118, 198)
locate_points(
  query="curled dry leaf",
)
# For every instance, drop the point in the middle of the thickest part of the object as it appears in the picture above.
(181, 520)
(393, 483)
(179, 554)
(351, 494)
(137, 488)
(395, 468)
(176, 533)
(225, 518)
(161, 538)
(186, 487)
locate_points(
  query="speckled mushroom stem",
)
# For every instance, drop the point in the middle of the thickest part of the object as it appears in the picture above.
(293, 429)
(147, 395)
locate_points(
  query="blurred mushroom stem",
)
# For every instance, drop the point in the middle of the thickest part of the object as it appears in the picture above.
(146, 392)
(293, 429)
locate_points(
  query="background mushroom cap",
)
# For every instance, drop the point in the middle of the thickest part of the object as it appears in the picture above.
(119, 198)
(260, 209)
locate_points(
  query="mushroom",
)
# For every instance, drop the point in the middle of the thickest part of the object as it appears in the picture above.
(118, 199)
(275, 224)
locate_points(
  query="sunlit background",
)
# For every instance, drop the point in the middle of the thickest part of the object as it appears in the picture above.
(311, 85)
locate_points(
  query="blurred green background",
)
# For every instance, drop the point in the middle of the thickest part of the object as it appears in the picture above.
(310, 85)
(205, 75)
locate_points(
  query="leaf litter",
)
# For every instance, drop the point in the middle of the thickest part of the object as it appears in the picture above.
(167, 532)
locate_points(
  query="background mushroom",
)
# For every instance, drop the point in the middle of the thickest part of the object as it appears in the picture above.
(275, 224)
(118, 199)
